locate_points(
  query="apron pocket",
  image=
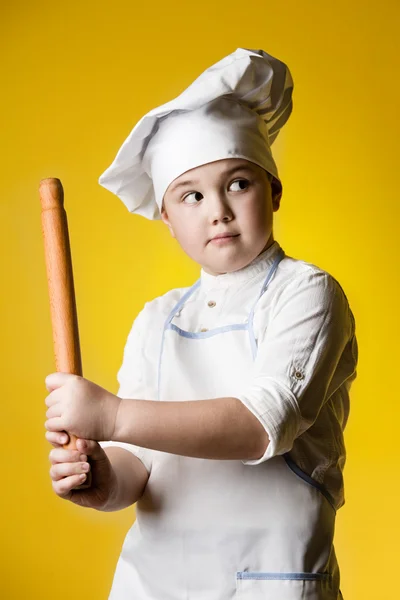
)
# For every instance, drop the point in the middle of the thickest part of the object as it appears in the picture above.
(283, 586)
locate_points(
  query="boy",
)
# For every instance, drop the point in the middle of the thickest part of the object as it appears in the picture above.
(227, 429)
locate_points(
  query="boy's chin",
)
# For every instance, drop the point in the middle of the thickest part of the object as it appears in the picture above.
(221, 267)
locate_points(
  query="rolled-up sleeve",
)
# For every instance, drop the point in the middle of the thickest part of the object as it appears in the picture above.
(305, 353)
(130, 379)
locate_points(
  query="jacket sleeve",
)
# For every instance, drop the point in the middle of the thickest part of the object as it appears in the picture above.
(305, 353)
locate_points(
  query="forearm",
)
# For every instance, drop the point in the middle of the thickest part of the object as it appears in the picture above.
(221, 428)
(131, 479)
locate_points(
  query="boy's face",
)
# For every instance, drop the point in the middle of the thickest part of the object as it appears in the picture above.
(231, 196)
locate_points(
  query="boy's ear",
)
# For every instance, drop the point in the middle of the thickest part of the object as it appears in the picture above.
(164, 217)
(276, 192)
(276, 201)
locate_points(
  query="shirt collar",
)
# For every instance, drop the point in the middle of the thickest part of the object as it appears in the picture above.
(258, 265)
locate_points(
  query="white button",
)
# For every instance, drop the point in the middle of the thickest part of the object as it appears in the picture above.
(299, 375)
(211, 303)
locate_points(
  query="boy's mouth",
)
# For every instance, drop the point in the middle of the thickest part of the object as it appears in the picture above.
(220, 237)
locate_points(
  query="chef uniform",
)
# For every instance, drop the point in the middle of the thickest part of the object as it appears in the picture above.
(277, 334)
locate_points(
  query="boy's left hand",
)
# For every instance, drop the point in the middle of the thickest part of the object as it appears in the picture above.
(80, 407)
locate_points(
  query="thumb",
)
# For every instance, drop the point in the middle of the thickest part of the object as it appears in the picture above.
(90, 448)
(57, 380)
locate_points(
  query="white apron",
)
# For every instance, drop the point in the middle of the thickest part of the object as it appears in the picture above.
(219, 529)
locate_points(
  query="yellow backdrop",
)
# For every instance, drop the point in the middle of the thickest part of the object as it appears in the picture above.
(76, 77)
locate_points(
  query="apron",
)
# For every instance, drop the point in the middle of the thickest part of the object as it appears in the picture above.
(218, 529)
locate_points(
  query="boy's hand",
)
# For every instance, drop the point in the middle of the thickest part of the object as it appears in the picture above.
(80, 407)
(69, 468)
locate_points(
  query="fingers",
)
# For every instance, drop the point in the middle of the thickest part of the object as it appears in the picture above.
(68, 470)
(54, 411)
(64, 487)
(57, 438)
(91, 448)
(61, 470)
(53, 414)
(54, 424)
(56, 380)
(50, 400)
(61, 455)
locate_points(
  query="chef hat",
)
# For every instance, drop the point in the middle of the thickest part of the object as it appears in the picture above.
(234, 109)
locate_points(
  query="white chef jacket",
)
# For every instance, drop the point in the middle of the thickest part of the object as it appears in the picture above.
(305, 364)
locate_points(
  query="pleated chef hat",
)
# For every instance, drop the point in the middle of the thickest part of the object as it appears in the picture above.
(234, 109)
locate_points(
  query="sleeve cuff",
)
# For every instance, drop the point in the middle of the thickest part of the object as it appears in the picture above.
(143, 454)
(276, 408)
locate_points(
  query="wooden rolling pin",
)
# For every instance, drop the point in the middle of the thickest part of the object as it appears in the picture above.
(61, 285)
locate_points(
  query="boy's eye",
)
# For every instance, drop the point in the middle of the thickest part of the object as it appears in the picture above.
(242, 183)
(197, 197)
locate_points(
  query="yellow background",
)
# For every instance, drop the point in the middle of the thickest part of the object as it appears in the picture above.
(75, 78)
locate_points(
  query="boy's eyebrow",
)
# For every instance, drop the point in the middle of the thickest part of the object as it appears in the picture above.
(195, 181)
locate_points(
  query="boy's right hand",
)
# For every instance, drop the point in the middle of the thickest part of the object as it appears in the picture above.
(69, 467)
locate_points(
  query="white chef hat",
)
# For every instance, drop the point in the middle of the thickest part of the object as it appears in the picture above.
(234, 109)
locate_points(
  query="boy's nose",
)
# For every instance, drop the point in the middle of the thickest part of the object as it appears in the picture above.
(219, 209)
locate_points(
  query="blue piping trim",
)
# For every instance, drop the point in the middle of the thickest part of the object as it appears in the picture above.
(182, 301)
(167, 322)
(212, 332)
(207, 334)
(159, 366)
(282, 576)
(252, 337)
(292, 465)
(253, 343)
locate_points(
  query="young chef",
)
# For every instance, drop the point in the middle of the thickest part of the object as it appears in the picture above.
(227, 429)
